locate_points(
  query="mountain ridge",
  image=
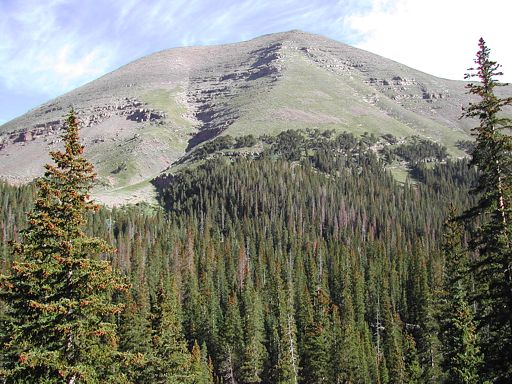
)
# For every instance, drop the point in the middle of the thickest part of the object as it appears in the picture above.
(141, 118)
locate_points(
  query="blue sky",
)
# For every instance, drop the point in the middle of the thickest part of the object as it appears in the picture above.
(48, 47)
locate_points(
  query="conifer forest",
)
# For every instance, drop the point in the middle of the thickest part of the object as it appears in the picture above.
(305, 262)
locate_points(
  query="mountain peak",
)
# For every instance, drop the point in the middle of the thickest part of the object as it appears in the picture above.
(297, 36)
(140, 119)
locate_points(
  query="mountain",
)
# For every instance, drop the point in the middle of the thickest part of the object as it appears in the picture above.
(141, 118)
(270, 254)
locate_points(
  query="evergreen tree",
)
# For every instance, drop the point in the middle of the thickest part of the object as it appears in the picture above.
(169, 359)
(493, 157)
(427, 343)
(316, 364)
(200, 372)
(254, 353)
(135, 334)
(412, 363)
(288, 364)
(231, 344)
(348, 361)
(393, 345)
(458, 328)
(59, 311)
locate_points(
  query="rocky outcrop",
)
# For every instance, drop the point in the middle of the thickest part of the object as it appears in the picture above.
(433, 96)
(210, 97)
(401, 89)
(23, 137)
(145, 114)
(130, 108)
(29, 134)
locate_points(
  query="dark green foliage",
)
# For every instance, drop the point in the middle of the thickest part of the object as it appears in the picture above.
(393, 342)
(426, 308)
(413, 371)
(493, 216)
(14, 204)
(420, 150)
(467, 146)
(289, 145)
(169, 355)
(231, 343)
(254, 353)
(317, 351)
(222, 143)
(58, 317)
(391, 139)
(308, 264)
(218, 144)
(461, 355)
(200, 369)
(245, 141)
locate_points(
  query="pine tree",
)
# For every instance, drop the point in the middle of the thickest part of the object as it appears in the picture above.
(135, 334)
(461, 357)
(200, 372)
(427, 342)
(493, 157)
(170, 361)
(393, 346)
(412, 363)
(254, 353)
(316, 364)
(288, 365)
(231, 344)
(348, 362)
(58, 296)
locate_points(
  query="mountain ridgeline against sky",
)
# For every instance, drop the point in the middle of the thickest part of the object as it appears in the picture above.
(310, 223)
(142, 118)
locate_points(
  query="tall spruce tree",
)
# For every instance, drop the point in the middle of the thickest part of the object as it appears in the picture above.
(461, 355)
(170, 360)
(493, 157)
(393, 345)
(316, 364)
(59, 316)
(231, 344)
(254, 352)
(200, 369)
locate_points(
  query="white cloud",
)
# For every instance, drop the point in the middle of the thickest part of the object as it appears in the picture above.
(53, 46)
(436, 36)
(70, 68)
(40, 53)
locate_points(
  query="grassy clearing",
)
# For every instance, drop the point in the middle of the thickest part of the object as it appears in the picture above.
(401, 175)
(131, 194)
(177, 127)
(167, 101)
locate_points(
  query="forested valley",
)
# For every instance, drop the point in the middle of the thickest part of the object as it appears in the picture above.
(319, 270)
(306, 262)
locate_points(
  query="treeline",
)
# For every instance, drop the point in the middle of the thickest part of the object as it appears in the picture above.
(296, 144)
(304, 263)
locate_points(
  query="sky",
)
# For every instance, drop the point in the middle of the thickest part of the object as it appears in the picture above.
(49, 47)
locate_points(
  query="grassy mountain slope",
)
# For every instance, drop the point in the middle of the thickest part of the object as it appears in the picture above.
(140, 119)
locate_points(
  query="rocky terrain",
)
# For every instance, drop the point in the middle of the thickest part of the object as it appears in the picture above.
(139, 120)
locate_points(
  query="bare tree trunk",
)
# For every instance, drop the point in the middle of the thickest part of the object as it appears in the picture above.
(292, 350)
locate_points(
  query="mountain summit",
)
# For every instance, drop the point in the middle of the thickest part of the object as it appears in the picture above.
(138, 120)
